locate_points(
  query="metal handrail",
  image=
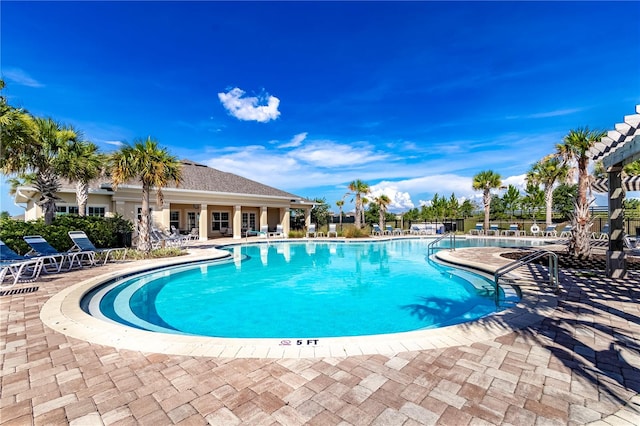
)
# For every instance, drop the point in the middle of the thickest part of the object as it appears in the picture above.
(452, 242)
(553, 269)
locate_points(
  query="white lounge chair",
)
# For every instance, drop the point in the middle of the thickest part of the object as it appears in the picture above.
(376, 230)
(278, 233)
(550, 231)
(40, 247)
(478, 230)
(18, 268)
(311, 230)
(514, 229)
(493, 230)
(603, 234)
(81, 242)
(332, 230)
(566, 231)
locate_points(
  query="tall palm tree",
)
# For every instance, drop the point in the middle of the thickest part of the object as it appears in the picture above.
(33, 146)
(485, 181)
(154, 167)
(358, 188)
(82, 163)
(575, 148)
(547, 172)
(340, 204)
(383, 202)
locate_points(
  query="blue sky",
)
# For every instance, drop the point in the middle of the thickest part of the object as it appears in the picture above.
(413, 98)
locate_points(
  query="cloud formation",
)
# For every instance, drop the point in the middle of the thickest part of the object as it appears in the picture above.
(261, 109)
(295, 141)
(18, 76)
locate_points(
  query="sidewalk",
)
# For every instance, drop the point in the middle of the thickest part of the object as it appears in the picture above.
(578, 366)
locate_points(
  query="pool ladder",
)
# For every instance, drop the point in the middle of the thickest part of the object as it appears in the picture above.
(499, 275)
(452, 241)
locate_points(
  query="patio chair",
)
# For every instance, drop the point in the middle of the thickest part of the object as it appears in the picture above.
(603, 234)
(159, 239)
(332, 230)
(82, 243)
(478, 230)
(376, 230)
(550, 231)
(416, 230)
(279, 232)
(566, 231)
(41, 247)
(493, 230)
(388, 230)
(17, 268)
(311, 230)
(514, 229)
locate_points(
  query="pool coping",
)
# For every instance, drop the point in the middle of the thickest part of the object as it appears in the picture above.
(63, 314)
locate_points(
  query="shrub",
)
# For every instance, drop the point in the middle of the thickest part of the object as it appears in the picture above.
(353, 232)
(297, 234)
(102, 231)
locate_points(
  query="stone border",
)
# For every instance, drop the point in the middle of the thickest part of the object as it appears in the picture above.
(62, 313)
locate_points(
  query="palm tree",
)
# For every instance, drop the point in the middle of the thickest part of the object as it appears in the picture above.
(155, 168)
(33, 147)
(82, 163)
(485, 181)
(383, 202)
(340, 203)
(358, 188)
(547, 172)
(575, 147)
(511, 199)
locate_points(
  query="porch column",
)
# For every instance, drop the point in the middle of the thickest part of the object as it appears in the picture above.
(203, 224)
(119, 208)
(616, 262)
(307, 217)
(264, 218)
(165, 216)
(237, 222)
(285, 220)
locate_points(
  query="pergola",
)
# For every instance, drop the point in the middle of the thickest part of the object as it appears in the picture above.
(619, 148)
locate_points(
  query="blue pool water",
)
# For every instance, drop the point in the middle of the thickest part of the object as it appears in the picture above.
(301, 289)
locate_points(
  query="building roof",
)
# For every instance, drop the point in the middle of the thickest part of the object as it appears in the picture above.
(203, 178)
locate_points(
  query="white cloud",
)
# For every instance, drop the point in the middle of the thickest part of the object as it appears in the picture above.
(20, 77)
(295, 141)
(400, 201)
(250, 108)
(114, 143)
(331, 154)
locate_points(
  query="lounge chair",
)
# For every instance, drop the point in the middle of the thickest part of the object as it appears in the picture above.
(279, 232)
(376, 230)
(493, 230)
(514, 229)
(550, 231)
(416, 230)
(332, 230)
(603, 234)
(478, 230)
(566, 231)
(18, 268)
(159, 239)
(82, 243)
(40, 247)
(311, 230)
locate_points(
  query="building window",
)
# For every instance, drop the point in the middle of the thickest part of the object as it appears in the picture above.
(219, 220)
(174, 219)
(249, 221)
(192, 220)
(95, 211)
(60, 210)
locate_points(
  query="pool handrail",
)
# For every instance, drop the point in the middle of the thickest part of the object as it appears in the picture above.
(553, 269)
(452, 242)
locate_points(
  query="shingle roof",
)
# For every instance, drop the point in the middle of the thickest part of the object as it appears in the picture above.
(203, 178)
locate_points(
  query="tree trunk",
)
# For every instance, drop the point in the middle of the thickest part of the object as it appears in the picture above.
(144, 240)
(548, 199)
(579, 245)
(82, 195)
(357, 218)
(486, 199)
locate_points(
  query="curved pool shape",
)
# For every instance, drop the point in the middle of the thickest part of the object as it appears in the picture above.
(300, 289)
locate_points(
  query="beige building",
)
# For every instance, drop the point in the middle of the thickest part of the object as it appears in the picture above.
(207, 201)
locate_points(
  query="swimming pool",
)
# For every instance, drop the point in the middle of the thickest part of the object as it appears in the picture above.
(301, 289)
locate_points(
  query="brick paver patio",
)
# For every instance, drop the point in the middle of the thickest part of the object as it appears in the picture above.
(578, 366)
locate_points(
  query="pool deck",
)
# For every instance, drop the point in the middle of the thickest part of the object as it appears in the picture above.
(573, 358)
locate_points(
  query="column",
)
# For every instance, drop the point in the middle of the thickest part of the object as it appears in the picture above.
(165, 216)
(264, 218)
(285, 220)
(203, 223)
(237, 222)
(616, 262)
(307, 217)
